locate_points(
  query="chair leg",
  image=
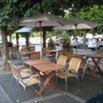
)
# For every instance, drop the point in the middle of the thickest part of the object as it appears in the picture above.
(66, 84)
(78, 81)
(56, 80)
(24, 88)
(84, 69)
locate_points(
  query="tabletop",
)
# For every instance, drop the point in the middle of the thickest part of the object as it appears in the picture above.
(48, 67)
(44, 65)
(35, 62)
(95, 54)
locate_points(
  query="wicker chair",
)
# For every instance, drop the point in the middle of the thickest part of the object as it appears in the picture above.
(24, 77)
(71, 71)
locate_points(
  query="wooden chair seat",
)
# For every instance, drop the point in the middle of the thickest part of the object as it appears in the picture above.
(62, 75)
(25, 74)
(30, 81)
(27, 70)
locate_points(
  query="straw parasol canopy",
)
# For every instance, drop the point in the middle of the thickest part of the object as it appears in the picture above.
(76, 23)
(43, 20)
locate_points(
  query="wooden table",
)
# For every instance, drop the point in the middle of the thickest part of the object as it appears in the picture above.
(95, 56)
(36, 62)
(47, 69)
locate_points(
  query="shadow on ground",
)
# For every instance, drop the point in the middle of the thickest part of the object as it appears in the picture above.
(85, 89)
(16, 92)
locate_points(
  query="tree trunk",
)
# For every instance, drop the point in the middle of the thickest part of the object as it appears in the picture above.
(5, 48)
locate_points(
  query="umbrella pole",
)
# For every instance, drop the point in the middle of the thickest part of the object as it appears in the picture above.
(44, 38)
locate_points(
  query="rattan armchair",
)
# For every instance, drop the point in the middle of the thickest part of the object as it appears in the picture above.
(71, 71)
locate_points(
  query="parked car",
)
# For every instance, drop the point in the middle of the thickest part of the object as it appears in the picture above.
(77, 42)
(95, 43)
(100, 44)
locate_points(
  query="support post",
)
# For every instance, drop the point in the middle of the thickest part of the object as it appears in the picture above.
(44, 38)
(17, 40)
(27, 40)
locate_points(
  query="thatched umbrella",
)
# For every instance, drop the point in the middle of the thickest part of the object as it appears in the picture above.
(26, 31)
(43, 20)
(80, 24)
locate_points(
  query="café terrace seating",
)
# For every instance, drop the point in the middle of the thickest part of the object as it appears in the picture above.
(24, 76)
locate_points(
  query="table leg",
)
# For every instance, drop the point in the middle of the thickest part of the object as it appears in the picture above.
(46, 82)
(96, 64)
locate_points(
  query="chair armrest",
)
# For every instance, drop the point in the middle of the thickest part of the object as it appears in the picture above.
(20, 67)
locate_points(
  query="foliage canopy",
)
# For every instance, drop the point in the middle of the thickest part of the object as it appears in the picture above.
(12, 11)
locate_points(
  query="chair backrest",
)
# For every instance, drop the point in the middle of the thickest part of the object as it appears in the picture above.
(45, 50)
(13, 49)
(62, 60)
(32, 48)
(74, 65)
(35, 55)
(15, 71)
(12, 69)
(24, 49)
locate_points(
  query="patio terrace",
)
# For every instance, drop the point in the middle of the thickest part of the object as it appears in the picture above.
(12, 92)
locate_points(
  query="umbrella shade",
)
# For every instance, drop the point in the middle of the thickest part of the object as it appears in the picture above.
(73, 27)
(43, 20)
(75, 23)
(24, 30)
(43, 24)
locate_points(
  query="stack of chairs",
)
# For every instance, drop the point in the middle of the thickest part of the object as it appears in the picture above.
(24, 76)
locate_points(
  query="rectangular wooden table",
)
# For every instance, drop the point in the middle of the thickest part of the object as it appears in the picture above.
(35, 62)
(95, 56)
(47, 69)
